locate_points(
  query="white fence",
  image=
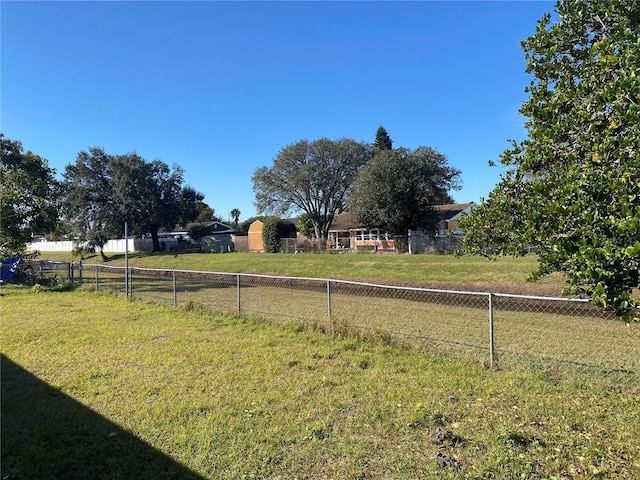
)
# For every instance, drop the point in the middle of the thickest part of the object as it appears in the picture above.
(112, 246)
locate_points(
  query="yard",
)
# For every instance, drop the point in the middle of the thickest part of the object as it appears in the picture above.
(469, 273)
(97, 387)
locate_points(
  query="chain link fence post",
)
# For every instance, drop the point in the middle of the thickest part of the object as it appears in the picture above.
(491, 345)
(175, 290)
(238, 293)
(329, 299)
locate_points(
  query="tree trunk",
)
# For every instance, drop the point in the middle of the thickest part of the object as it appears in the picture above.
(155, 240)
(321, 236)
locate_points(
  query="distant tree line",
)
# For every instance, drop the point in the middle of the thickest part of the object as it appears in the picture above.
(98, 194)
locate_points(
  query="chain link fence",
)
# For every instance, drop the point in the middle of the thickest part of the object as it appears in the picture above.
(42, 272)
(494, 328)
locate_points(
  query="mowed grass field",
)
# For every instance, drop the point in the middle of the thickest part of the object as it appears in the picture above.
(94, 386)
(465, 272)
(525, 332)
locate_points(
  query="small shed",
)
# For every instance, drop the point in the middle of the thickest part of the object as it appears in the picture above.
(288, 236)
(255, 237)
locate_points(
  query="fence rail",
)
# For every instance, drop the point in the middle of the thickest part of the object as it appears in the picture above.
(494, 328)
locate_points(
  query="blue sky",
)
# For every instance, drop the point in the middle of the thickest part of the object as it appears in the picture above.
(219, 88)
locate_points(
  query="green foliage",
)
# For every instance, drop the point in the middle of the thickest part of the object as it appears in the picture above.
(383, 140)
(396, 191)
(305, 225)
(87, 204)
(28, 197)
(572, 187)
(104, 191)
(81, 251)
(273, 230)
(235, 216)
(197, 232)
(205, 212)
(311, 177)
(188, 202)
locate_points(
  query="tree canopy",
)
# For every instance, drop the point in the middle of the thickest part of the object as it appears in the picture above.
(103, 191)
(205, 212)
(28, 197)
(305, 226)
(397, 190)
(383, 140)
(87, 203)
(313, 177)
(572, 187)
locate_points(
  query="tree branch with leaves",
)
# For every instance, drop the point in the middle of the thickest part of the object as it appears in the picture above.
(572, 187)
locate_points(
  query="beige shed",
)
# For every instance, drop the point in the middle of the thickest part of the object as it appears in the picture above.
(255, 237)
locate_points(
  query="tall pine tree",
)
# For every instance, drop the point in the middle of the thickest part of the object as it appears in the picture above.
(383, 141)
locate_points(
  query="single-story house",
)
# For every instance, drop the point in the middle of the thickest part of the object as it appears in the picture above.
(345, 234)
(220, 238)
(450, 214)
(214, 227)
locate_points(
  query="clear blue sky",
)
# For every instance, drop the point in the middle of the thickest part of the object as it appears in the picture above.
(219, 88)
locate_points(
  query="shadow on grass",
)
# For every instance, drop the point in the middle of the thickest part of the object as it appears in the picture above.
(49, 435)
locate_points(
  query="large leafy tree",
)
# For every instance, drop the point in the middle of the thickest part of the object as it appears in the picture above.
(313, 177)
(398, 189)
(189, 202)
(105, 191)
(88, 205)
(573, 186)
(150, 195)
(28, 197)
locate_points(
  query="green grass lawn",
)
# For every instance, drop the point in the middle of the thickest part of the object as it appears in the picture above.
(97, 387)
(474, 273)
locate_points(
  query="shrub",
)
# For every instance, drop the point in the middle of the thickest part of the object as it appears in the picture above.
(273, 230)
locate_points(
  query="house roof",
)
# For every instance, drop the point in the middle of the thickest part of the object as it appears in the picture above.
(344, 221)
(215, 226)
(448, 211)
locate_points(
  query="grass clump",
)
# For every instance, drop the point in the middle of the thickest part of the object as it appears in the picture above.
(97, 387)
